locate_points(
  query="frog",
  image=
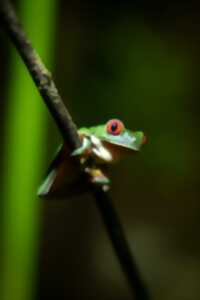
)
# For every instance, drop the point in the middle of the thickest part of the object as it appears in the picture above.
(101, 146)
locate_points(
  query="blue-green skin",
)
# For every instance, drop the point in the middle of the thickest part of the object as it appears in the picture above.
(127, 139)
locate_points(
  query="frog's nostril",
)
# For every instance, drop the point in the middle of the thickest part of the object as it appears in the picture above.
(144, 140)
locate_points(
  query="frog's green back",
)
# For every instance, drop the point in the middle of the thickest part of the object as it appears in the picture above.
(127, 138)
(94, 130)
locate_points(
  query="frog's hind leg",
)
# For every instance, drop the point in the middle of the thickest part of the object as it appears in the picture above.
(61, 173)
(47, 184)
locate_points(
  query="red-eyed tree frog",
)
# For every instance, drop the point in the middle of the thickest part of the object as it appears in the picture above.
(102, 144)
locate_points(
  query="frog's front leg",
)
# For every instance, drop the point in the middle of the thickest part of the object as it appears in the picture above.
(91, 147)
(84, 149)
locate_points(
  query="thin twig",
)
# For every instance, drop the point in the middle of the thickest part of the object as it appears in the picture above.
(119, 242)
(68, 129)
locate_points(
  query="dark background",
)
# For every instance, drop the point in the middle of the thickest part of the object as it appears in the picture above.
(138, 62)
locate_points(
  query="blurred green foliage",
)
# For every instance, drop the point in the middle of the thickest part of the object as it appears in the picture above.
(24, 154)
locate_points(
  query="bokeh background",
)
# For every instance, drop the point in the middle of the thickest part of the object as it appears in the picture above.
(136, 61)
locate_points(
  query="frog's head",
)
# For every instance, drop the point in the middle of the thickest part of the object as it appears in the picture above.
(115, 133)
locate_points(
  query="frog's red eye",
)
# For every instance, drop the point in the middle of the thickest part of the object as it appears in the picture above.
(114, 127)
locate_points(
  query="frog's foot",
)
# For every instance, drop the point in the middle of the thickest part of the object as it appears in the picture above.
(98, 177)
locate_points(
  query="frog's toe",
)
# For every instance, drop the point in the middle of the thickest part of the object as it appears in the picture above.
(98, 177)
(86, 145)
(77, 152)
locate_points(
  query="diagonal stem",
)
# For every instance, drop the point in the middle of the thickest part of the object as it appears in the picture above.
(66, 126)
(120, 244)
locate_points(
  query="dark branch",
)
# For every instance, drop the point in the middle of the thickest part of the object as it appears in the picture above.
(119, 242)
(61, 116)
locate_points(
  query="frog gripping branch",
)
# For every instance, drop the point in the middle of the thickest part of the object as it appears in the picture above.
(103, 144)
